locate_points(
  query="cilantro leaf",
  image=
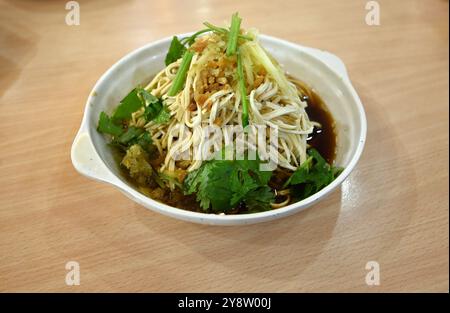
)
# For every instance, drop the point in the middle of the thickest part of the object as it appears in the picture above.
(301, 174)
(240, 184)
(178, 47)
(130, 134)
(127, 106)
(154, 108)
(146, 97)
(136, 99)
(145, 141)
(221, 185)
(215, 188)
(152, 111)
(193, 180)
(313, 175)
(163, 116)
(262, 177)
(134, 136)
(176, 51)
(106, 126)
(210, 188)
(259, 200)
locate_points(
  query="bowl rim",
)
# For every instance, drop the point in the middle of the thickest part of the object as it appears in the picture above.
(224, 219)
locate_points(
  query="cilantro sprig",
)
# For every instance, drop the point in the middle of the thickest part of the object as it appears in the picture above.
(178, 46)
(106, 126)
(126, 107)
(176, 51)
(221, 185)
(313, 175)
(116, 125)
(155, 110)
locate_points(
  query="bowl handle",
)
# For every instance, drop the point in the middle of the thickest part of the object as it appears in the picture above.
(332, 61)
(87, 161)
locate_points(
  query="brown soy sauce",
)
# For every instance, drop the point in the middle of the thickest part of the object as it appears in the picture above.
(323, 138)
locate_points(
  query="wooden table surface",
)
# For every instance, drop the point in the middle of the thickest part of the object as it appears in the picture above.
(393, 209)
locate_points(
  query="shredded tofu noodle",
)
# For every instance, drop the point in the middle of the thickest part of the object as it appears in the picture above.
(211, 97)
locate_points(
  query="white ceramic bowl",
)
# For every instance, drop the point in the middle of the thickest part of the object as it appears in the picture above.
(321, 70)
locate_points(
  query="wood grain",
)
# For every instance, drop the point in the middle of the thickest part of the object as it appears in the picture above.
(393, 209)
